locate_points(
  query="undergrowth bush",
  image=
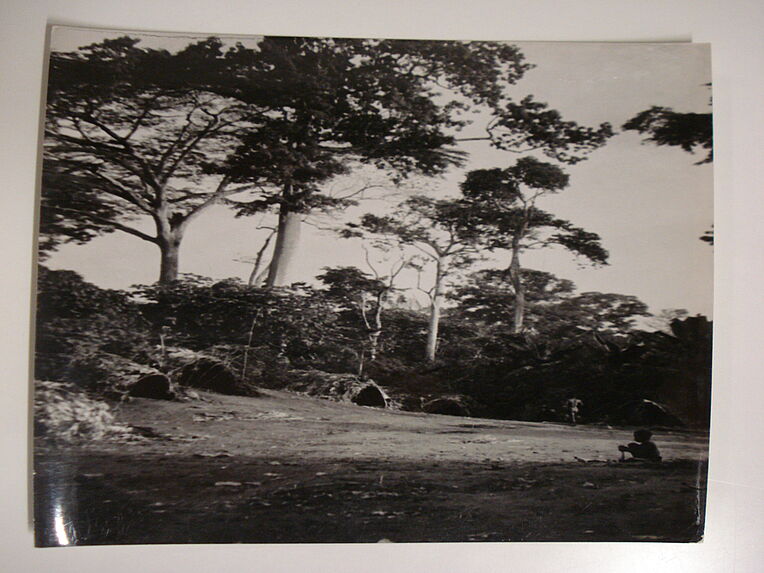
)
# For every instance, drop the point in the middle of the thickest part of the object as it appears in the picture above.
(76, 318)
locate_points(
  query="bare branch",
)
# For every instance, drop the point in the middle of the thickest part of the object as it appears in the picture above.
(181, 137)
(319, 227)
(368, 262)
(259, 257)
(148, 172)
(118, 190)
(429, 292)
(108, 223)
(434, 256)
(147, 109)
(110, 153)
(220, 193)
(362, 306)
(185, 150)
(394, 273)
(359, 191)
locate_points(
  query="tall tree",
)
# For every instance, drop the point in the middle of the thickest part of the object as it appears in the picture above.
(500, 205)
(166, 135)
(432, 228)
(131, 133)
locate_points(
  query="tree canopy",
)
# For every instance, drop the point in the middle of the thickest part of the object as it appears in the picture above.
(500, 207)
(146, 133)
(129, 134)
(664, 126)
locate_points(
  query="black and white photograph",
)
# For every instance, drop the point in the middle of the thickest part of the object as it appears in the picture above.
(349, 290)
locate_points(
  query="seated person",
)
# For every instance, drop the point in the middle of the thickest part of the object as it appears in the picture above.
(643, 448)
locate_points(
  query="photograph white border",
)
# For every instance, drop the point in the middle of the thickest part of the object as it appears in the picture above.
(735, 519)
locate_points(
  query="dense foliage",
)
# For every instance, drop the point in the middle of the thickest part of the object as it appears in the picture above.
(585, 345)
(664, 126)
(76, 318)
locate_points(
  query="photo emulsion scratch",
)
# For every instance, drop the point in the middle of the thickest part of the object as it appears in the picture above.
(327, 290)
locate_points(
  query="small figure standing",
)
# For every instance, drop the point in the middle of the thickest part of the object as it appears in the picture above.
(643, 448)
(572, 407)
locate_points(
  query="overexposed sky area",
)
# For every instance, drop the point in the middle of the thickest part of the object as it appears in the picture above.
(649, 204)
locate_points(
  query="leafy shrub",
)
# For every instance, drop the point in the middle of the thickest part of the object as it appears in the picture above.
(199, 313)
(607, 373)
(76, 318)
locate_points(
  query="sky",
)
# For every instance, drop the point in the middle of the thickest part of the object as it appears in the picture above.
(649, 204)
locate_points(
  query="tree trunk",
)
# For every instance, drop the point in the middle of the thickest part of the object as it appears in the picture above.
(280, 272)
(374, 344)
(375, 329)
(515, 277)
(516, 271)
(432, 329)
(170, 252)
(361, 360)
(170, 228)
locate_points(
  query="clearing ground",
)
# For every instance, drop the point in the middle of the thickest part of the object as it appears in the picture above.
(284, 468)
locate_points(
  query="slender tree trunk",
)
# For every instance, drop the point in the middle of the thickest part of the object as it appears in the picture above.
(375, 329)
(374, 344)
(361, 359)
(437, 296)
(249, 345)
(287, 243)
(516, 278)
(516, 271)
(252, 280)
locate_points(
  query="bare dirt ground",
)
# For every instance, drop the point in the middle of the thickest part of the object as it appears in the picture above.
(283, 468)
